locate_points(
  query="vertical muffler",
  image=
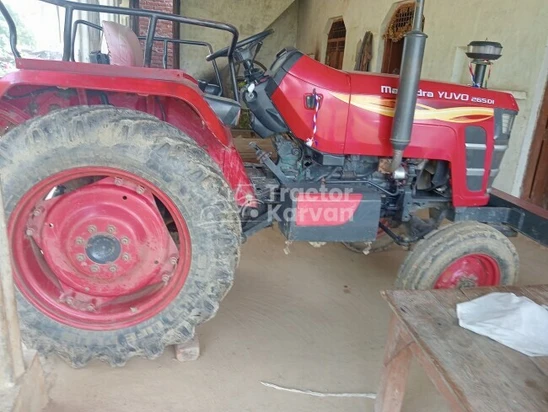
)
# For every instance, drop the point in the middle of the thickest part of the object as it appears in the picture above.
(410, 73)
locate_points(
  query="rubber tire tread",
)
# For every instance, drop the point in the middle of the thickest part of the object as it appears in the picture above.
(433, 254)
(143, 145)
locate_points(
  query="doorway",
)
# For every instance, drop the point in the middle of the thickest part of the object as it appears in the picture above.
(336, 42)
(535, 184)
(400, 24)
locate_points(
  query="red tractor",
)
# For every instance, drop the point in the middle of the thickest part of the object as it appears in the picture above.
(127, 200)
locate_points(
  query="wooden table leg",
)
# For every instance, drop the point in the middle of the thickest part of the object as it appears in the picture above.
(437, 378)
(397, 359)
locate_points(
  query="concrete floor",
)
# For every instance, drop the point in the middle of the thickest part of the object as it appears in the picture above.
(313, 319)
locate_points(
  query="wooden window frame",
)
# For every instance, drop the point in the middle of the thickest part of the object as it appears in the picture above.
(533, 161)
(390, 42)
(335, 43)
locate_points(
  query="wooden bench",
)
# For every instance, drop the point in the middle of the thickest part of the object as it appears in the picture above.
(472, 372)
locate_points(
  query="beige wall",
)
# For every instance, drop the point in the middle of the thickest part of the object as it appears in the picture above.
(521, 27)
(285, 34)
(249, 17)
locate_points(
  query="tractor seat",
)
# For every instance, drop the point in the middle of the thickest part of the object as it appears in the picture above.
(124, 48)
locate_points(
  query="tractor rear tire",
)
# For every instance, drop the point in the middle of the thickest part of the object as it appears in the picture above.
(464, 254)
(177, 173)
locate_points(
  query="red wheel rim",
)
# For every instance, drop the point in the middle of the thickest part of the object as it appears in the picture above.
(471, 270)
(100, 256)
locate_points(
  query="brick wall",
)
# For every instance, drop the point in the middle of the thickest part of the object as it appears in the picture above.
(163, 29)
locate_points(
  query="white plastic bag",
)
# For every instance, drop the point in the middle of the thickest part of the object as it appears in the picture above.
(516, 322)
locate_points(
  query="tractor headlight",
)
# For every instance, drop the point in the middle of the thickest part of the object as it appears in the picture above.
(507, 123)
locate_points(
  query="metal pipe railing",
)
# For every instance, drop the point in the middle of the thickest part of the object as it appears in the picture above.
(12, 29)
(154, 17)
(75, 26)
(165, 40)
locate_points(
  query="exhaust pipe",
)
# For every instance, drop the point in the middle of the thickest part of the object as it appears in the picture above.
(410, 73)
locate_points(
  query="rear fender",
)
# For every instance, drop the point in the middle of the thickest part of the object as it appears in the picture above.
(139, 80)
(170, 95)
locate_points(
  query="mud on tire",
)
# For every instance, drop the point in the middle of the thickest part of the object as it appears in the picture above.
(439, 249)
(153, 150)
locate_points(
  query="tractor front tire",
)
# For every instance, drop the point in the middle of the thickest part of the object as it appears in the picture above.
(133, 252)
(464, 254)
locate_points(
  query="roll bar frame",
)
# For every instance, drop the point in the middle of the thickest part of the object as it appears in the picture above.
(153, 16)
(165, 40)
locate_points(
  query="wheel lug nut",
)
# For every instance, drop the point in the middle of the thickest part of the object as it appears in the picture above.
(29, 232)
(90, 308)
(94, 268)
(117, 181)
(124, 240)
(79, 241)
(126, 257)
(111, 229)
(173, 260)
(92, 228)
(140, 190)
(37, 211)
(165, 278)
(80, 257)
(70, 301)
(113, 268)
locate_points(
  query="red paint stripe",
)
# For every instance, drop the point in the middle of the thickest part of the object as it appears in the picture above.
(326, 209)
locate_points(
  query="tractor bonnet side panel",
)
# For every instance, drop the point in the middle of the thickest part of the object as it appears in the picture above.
(305, 78)
(453, 122)
(456, 123)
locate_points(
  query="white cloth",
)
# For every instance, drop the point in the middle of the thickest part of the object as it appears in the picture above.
(516, 322)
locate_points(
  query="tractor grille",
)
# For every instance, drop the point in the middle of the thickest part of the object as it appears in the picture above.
(476, 150)
(504, 121)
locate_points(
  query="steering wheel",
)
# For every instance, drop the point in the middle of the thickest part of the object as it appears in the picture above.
(256, 38)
